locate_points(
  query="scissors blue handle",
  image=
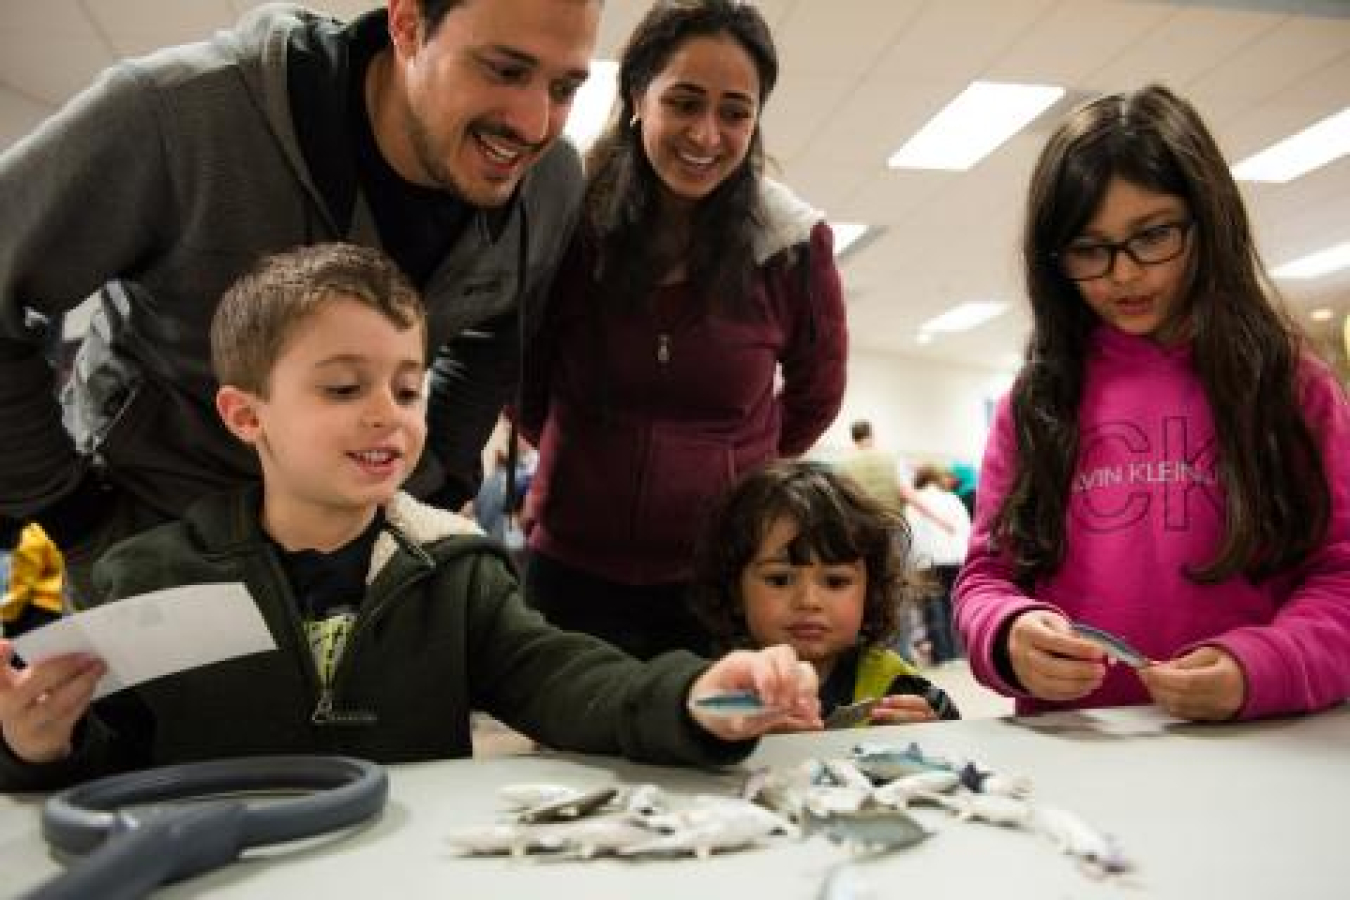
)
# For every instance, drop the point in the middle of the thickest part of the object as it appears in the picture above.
(131, 852)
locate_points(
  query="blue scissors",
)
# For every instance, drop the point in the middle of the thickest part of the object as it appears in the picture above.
(126, 853)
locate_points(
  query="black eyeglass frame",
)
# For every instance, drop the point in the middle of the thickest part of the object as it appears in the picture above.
(1115, 248)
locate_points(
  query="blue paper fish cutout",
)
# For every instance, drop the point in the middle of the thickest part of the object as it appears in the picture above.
(732, 703)
(1114, 646)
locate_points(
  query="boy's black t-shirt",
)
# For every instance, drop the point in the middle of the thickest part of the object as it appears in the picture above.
(322, 581)
(329, 588)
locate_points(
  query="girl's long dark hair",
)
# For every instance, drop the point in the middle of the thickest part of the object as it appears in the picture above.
(620, 218)
(1245, 349)
(837, 522)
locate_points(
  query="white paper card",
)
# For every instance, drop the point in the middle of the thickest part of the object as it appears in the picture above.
(156, 634)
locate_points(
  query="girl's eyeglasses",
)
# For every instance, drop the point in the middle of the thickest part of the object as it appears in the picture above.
(1086, 260)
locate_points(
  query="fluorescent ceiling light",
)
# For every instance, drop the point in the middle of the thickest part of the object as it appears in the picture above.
(1322, 314)
(1315, 265)
(964, 316)
(1297, 154)
(846, 234)
(592, 105)
(973, 125)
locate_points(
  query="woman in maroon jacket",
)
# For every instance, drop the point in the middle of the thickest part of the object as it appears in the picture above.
(696, 331)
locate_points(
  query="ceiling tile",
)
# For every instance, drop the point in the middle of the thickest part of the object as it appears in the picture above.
(43, 19)
(956, 41)
(799, 106)
(27, 67)
(1182, 48)
(816, 38)
(18, 116)
(136, 27)
(1285, 54)
(1076, 38)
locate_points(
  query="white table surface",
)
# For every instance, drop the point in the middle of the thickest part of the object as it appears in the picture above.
(1231, 811)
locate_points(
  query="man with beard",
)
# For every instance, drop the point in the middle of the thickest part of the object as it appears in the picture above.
(427, 129)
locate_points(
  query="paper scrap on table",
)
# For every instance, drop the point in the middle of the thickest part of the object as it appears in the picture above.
(160, 633)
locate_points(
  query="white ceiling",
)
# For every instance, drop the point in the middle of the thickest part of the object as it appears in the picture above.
(858, 77)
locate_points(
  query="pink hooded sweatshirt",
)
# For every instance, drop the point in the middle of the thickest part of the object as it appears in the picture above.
(1145, 504)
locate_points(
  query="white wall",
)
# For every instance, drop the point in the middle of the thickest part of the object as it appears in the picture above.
(922, 410)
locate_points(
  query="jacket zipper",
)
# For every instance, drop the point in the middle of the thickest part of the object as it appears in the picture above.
(325, 713)
(324, 709)
(663, 373)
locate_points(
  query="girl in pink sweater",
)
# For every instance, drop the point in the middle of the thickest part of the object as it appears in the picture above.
(1172, 464)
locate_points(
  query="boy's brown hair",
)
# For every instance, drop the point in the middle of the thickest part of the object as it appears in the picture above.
(260, 311)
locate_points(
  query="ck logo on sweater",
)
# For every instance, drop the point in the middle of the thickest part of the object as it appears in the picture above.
(1127, 474)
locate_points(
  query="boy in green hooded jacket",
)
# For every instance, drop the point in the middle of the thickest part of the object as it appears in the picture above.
(392, 619)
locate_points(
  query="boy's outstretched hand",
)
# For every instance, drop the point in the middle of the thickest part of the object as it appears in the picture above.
(40, 705)
(786, 687)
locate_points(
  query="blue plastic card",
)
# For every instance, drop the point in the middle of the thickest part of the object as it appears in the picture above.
(731, 703)
(1114, 646)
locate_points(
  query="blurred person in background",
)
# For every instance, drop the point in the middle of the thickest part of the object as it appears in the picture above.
(940, 553)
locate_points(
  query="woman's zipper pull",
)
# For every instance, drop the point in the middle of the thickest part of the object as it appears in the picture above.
(663, 348)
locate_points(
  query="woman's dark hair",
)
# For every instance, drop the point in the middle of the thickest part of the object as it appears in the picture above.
(837, 522)
(1245, 349)
(622, 209)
